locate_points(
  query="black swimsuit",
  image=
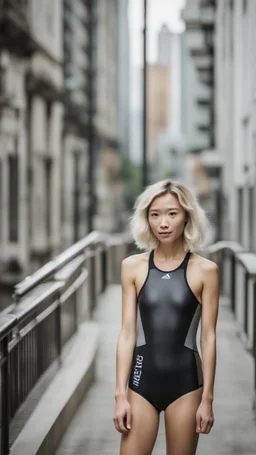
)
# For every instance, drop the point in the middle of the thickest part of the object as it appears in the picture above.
(166, 363)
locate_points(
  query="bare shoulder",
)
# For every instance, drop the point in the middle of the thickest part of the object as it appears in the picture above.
(134, 261)
(206, 267)
(131, 266)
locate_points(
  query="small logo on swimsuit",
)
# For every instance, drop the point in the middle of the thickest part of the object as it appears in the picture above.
(166, 277)
(137, 370)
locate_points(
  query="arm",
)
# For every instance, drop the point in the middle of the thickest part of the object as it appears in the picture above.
(126, 342)
(210, 305)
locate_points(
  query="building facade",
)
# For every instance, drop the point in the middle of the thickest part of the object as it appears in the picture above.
(198, 108)
(198, 75)
(123, 79)
(236, 116)
(79, 47)
(31, 108)
(108, 187)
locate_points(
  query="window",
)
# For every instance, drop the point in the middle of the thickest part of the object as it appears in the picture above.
(251, 218)
(76, 219)
(13, 175)
(240, 212)
(48, 186)
(2, 80)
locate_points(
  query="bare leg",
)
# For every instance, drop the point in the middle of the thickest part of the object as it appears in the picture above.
(180, 424)
(144, 427)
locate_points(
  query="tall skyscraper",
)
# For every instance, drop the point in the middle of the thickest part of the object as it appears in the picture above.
(164, 46)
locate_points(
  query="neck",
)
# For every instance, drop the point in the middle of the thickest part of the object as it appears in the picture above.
(170, 251)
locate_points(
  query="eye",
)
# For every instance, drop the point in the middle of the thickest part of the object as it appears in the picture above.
(172, 213)
(154, 214)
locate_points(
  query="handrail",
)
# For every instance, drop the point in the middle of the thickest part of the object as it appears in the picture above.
(7, 322)
(47, 308)
(229, 245)
(240, 264)
(54, 265)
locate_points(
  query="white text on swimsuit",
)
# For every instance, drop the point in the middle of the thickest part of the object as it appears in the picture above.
(137, 370)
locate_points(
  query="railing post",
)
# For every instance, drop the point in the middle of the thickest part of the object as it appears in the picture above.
(246, 278)
(5, 398)
(104, 268)
(232, 282)
(254, 343)
(92, 281)
(58, 330)
(220, 257)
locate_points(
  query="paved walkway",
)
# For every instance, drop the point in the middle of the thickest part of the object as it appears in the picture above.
(234, 433)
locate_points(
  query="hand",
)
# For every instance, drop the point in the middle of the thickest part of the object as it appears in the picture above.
(122, 415)
(204, 417)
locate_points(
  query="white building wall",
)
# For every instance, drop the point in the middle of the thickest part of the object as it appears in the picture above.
(235, 115)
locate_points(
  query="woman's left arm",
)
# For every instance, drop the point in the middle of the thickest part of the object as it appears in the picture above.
(210, 306)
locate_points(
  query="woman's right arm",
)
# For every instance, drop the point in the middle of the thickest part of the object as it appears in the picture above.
(125, 345)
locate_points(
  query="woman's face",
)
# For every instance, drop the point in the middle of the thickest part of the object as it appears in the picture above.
(166, 218)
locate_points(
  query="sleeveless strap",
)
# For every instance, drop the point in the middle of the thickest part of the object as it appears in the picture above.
(184, 263)
(151, 262)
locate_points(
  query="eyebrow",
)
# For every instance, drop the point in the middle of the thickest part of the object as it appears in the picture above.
(169, 208)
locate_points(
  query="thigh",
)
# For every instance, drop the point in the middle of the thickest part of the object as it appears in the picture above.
(180, 424)
(144, 427)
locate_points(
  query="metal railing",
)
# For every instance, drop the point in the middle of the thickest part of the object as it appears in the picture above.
(47, 308)
(238, 282)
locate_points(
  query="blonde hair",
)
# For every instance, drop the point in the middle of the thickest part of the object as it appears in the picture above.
(197, 222)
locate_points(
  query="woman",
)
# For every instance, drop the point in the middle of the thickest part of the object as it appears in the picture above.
(165, 292)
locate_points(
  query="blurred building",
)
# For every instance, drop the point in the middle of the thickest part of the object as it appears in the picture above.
(236, 117)
(198, 107)
(109, 186)
(123, 44)
(164, 107)
(79, 46)
(198, 75)
(96, 77)
(31, 109)
(164, 46)
(157, 107)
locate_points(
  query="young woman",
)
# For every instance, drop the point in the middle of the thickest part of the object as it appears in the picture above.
(165, 293)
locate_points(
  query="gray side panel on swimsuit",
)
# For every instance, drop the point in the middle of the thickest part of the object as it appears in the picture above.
(140, 332)
(190, 341)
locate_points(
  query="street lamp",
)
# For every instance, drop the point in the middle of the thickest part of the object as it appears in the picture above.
(144, 165)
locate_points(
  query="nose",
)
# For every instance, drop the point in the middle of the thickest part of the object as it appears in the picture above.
(164, 223)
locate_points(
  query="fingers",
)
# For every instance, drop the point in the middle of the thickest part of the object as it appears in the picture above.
(128, 419)
(198, 423)
(204, 425)
(119, 424)
(119, 421)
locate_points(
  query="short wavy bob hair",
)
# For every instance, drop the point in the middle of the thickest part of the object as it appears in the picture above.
(197, 221)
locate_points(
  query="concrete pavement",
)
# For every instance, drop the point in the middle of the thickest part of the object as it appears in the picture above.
(234, 432)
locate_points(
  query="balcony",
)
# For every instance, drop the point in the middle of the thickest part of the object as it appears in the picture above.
(39, 84)
(204, 96)
(15, 28)
(206, 76)
(6, 97)
(203, 61)
(207, 16)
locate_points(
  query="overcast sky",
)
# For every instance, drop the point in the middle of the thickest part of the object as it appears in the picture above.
(159, 12)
